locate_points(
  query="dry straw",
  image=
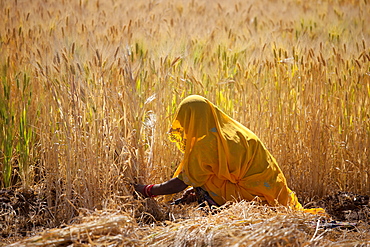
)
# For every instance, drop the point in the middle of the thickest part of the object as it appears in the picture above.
(239, 224)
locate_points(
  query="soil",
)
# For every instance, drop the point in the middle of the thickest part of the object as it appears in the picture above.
(345, 206)
(21, 212)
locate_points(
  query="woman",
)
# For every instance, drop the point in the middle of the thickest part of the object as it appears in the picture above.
(223, 160)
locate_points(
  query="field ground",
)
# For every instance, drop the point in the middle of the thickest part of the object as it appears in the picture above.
(148, 223)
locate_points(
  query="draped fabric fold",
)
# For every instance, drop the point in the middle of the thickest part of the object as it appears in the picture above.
(225, 158)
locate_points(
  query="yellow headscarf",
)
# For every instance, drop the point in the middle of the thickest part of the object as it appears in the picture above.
(225, 158)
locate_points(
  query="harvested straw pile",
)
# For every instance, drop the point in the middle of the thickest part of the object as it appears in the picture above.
(238, 224)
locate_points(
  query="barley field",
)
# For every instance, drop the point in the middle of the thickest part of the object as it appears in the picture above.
(89, 89)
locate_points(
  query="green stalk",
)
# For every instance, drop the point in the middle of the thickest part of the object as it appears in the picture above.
(6, 131)
(24, 144)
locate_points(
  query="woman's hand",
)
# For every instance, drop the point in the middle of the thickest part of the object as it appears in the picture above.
(140, 188)
(189, 196)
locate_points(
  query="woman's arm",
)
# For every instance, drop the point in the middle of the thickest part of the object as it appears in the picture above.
(172, 186)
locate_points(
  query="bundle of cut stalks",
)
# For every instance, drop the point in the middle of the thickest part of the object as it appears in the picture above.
(237, 224)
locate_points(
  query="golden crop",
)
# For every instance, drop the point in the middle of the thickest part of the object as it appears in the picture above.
(89, 89)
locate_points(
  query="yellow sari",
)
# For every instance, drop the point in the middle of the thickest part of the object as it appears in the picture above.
(225, 158)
